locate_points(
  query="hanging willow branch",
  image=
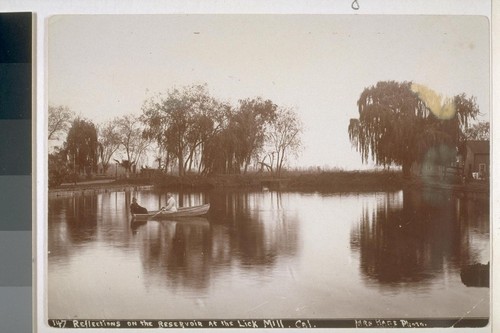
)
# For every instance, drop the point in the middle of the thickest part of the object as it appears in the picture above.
(396, 126)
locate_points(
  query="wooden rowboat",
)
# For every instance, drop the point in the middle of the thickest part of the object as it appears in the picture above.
(181, 212)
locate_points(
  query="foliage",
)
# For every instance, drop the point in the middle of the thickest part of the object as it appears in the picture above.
(203, 133)
(241, 138)
(250, 125)
(82, 146)
(182, 122)
(398, 123)
(59, 171)
(479, 131)
(59, 120)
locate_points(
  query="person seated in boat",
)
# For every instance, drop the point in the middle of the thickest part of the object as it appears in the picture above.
(171, 204)
(135, 208)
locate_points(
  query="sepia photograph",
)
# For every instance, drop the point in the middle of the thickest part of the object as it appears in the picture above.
(267, 171)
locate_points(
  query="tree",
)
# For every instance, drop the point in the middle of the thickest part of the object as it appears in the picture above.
(479, 131)
(283, 138)
(132, 139)
(182, 121)
(109, 142)
(82, 146)
(399, 122)
(59, 170)
(249, 125)
(59, 120)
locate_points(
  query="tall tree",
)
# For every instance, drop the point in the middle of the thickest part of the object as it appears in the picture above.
(249, 125)
(182, 121)
(59, 120)
(132, 139)
(109, 142)
(398, 123)
(284, 138)
(82, 146)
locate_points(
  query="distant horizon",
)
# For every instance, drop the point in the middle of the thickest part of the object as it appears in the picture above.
(105, 66)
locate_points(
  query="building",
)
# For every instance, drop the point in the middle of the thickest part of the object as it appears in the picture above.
(477, 159)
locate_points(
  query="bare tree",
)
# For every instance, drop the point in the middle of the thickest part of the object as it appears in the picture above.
(479, 131)
(60, 118)
(283, 138)
(109, 142)
(133, 142)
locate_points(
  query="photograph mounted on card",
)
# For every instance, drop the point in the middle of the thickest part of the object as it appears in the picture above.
(268, 171)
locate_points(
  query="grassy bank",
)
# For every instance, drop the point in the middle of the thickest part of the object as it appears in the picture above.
(321, 181)
(337, 181)
(349, 181)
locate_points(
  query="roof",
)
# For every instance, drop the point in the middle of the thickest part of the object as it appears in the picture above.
(479, 146)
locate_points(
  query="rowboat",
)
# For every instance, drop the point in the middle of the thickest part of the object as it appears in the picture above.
(181, 212)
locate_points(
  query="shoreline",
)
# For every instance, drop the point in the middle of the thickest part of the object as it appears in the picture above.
(99, 188)
(322, 182)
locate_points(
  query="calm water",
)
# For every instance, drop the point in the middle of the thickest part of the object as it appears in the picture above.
(270, 255)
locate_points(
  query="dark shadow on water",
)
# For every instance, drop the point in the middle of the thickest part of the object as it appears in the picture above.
(477, 275)
(413, 239)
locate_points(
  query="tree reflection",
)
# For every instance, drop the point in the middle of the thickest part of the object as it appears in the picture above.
(189, 253)
(414, 239)
(72, 221)
(174, 253)
(245, 231)
(255, 227)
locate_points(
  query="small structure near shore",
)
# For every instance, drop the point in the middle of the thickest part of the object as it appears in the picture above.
(477, 159)
(473, 163)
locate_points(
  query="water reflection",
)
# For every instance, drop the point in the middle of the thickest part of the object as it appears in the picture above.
(243, 230)
(412, 237)
(269, 254)
(174, 253)
(72, 222)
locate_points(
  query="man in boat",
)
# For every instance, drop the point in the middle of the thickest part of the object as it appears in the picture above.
(171, 204)
(136, 209)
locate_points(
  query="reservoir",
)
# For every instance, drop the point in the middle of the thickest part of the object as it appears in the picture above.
(265, 254)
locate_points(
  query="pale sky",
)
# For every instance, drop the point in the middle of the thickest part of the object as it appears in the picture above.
(103, 66)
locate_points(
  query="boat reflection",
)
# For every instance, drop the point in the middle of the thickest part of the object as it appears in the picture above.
(134, 225)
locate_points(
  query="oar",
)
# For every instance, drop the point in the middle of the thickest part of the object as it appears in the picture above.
(161, 210)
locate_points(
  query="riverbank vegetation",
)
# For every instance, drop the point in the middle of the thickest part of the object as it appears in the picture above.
(184, 131)
(196, 140)
(321, 181)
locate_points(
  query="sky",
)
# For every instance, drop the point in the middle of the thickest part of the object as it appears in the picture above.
(104, 66)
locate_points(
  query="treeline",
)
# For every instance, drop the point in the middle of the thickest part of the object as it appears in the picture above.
(185, 130)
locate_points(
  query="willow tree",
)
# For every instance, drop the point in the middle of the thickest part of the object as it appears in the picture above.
(400, 122)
